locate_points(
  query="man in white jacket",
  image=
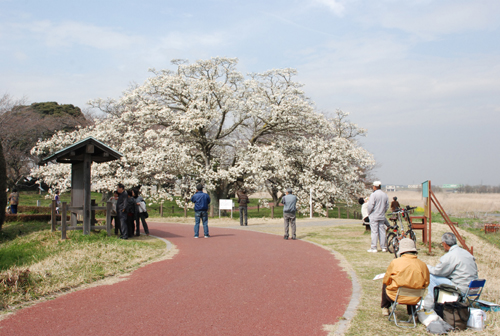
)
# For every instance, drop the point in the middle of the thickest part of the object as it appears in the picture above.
(377, 207)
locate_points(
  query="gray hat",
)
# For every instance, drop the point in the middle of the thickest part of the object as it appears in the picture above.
(289, 190)
(406, 245)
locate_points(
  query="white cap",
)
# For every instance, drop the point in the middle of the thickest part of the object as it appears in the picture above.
(377, 183)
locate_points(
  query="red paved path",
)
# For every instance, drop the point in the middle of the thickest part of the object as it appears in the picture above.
(235, 283)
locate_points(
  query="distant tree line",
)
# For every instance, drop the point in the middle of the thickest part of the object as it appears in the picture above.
(479, 189)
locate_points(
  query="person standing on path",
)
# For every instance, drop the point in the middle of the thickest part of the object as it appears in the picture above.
(130, 211)
(201, 202)
(114, 215)
(121, 206)
(364, 209)
(14, 201)
(377, 207)
(243, 203)
(58, 201)
(140, 213)
(289, 201)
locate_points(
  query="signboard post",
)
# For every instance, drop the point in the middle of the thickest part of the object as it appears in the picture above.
(226, 204)
(426, 187)
(311, 203)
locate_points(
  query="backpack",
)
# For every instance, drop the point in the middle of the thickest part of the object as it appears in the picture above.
(455, 313)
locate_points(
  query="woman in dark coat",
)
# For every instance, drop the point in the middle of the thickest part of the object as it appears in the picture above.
(130, 210)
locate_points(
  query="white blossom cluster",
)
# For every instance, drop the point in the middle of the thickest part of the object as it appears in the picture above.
(206, 122)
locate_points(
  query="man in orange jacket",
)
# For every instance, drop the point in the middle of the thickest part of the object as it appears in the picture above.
(406, 271)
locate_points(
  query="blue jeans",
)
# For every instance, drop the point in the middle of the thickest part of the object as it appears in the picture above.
(433, 282)
(204, 217)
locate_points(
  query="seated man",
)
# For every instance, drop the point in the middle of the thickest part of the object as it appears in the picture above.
(406, 271)
(457, 267)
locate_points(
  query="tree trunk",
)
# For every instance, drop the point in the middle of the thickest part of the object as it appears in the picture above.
(3, 187)
(273, 191)
(220, 192)
(106, 195)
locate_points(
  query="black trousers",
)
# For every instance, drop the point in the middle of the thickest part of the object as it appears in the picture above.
(243, 215)
(387, 302)
(130, 224)
(117, 224)
(140, 217)
(123, 224)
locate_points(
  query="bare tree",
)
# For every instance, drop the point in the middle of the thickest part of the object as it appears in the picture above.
(6, 103)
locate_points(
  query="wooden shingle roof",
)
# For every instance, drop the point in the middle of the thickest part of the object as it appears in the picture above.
(99, 152)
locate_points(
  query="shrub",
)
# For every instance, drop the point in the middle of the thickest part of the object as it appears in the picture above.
(33, 209)
(28, 218)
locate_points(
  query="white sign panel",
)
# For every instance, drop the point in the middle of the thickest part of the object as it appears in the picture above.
(225, 204)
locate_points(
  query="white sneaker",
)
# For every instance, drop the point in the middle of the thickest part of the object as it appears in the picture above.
(384, 250)
(372, 251)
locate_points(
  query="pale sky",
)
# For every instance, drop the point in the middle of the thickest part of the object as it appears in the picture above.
(422, 76)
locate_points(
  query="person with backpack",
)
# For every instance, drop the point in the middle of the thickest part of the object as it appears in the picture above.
(243, 206)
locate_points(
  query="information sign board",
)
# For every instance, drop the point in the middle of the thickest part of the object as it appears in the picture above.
(225, 204)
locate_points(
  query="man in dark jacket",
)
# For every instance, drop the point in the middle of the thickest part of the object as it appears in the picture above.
(121, 206)
(243, 202)
(201, 202)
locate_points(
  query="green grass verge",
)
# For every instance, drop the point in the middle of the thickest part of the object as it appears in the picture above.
(35, 262)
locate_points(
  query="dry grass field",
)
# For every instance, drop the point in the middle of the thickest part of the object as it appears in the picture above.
(455, 204)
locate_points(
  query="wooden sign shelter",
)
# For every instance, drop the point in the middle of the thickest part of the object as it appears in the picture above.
(429, 199)
(81, 155)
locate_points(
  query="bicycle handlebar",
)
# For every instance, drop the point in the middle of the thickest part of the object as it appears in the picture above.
(403, 210)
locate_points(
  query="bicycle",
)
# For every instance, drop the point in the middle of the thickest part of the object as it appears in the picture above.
(393, 237)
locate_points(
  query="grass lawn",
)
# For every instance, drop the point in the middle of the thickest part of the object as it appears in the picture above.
(351, 241)
(57, 265)
(34, 262)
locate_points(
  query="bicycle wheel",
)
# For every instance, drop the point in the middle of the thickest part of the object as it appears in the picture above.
(410, 234)
(390, 237)
(395, 246)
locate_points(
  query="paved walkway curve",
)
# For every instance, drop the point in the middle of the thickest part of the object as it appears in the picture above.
(237, 282)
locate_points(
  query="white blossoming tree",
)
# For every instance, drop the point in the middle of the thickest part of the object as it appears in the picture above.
(206, 122)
